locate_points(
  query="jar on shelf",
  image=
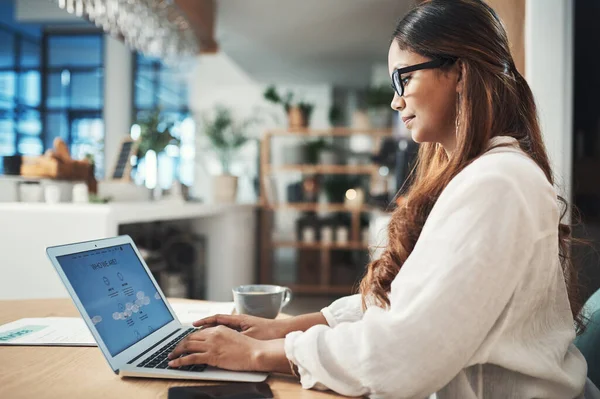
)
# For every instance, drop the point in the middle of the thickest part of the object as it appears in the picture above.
(341, 235)
(308, 235)
(310, 188)
(326, 234)
(365, 235)
(305, 223)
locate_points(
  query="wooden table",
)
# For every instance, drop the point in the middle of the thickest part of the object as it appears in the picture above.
(82, 372)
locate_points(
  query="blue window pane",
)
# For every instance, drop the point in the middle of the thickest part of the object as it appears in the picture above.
(158, 85)
(7, 89)
(57, 125)
(144, 88)
(87, 135)
(146, 60)
(7, 147)
(82, 50)
(183, 97)
(29, 88)
(168, 98)
(7, 134)
(7, 49)
(86, 90)
(29, 123)
(75, 90)
(88, 129)
(169, 92)
(30, 54)
(58, 90)
(30, 146)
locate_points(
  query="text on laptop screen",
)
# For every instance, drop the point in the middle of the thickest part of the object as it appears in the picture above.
(117, 294)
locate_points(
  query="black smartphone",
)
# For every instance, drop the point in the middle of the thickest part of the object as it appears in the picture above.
(242, 390)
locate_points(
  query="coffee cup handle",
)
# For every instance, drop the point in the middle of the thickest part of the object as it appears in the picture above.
(287, 297)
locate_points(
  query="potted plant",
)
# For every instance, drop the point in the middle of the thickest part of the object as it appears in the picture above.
(312, 150)
(226, 137)
(336, 116)
(155, 135)
(155, 132)
(378, 101)
(298, 113)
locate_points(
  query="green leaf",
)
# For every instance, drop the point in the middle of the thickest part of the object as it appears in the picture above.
(225, 135)
(155, 132)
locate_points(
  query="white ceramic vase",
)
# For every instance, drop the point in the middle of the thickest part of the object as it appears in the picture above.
(224, 188)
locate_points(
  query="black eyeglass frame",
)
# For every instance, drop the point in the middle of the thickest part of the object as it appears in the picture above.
(397, 84)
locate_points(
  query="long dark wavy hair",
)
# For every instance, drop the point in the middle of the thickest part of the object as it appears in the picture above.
(495, 101)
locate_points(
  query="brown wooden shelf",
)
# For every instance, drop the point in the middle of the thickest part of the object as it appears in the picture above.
(318, 245)
(324, 254)
(339, 131)
(321, 289)
(318, 207)
(325, 169)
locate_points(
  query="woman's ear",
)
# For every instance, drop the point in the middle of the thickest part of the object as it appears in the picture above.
(461, 73)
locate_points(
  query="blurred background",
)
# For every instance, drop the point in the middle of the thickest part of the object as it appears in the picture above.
(245, 141)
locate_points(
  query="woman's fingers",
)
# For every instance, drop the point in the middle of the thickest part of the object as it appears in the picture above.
(220, 319)
(207, 321)
(195, 358)
(189, 345)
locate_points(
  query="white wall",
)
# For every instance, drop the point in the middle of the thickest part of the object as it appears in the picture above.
(217, 79)
(117, 98)
(549, 71)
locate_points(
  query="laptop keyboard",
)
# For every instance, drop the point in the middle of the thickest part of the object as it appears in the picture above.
(159, 359)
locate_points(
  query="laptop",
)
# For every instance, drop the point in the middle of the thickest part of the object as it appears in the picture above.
(126, 311)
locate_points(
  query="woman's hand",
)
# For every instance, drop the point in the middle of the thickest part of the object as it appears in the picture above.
(228, 349)
(251, 326)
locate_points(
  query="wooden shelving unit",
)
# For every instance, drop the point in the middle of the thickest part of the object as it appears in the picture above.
(320, 245)
(336, 131)
(325, 169)
(316, 207)
(324, 250)
(320, 289)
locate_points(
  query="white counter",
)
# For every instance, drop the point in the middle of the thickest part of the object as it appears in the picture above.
(27, 229)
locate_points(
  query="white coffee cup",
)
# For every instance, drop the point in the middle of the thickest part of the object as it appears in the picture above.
(261, 300)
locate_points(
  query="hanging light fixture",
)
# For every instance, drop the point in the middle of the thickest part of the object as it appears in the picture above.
(155, 28)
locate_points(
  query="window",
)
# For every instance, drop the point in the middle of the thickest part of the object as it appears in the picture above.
(74, 90)
(20, 126)
(58, 95)
(157, 86)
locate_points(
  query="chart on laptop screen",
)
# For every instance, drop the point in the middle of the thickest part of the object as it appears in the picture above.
(117, 294)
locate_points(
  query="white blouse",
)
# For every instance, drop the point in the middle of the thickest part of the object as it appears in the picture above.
(478, 310)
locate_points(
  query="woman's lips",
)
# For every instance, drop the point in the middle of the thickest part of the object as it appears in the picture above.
(407, 120)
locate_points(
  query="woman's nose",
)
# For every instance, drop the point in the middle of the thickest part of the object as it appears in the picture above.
(398, 103)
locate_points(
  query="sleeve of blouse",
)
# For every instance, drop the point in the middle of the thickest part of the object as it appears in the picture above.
(346, 309)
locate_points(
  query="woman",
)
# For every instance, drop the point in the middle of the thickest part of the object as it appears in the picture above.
(474, 296)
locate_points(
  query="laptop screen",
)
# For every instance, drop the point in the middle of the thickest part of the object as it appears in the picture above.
(117, 294)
